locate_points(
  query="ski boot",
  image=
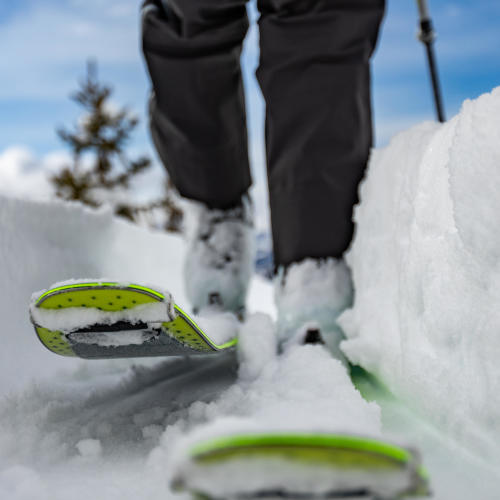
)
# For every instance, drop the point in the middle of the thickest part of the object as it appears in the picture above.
(309, 296)
(220, 259)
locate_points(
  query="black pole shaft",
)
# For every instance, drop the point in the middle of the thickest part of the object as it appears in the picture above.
(427, 36)
(438, 101)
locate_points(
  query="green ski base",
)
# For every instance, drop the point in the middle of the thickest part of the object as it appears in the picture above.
(273, 466)
(179, 337)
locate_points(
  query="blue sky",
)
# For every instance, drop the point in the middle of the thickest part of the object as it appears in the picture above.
(45, 46)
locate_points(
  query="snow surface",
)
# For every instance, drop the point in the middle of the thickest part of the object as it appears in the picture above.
(220, 327)
(426, 268)
(426, 274)
(273, 393)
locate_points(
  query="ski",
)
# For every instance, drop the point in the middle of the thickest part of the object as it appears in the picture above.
(104, 319)
(97, 320)
(300, 465)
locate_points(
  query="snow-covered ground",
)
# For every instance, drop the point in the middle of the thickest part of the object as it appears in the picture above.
(426, 266)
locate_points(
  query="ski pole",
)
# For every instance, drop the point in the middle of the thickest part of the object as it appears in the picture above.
(427, 36)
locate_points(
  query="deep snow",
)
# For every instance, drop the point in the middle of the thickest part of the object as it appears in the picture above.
(425, 266)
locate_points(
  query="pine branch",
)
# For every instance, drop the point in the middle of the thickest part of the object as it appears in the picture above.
(100, 163)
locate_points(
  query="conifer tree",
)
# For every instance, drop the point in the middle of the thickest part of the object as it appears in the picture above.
(101, 171)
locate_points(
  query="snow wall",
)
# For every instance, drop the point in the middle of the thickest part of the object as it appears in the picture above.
(116, 429)
(44, 242)
(426, 268)
(41, 243)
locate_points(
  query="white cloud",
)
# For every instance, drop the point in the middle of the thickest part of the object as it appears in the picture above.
(23, 175)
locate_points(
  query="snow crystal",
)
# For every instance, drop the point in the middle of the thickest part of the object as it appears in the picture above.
(311, 286)
(257, 346)
(152, 432)
(426, 269)
(22, 483)
(112, 339)
(220, 327)
(89, 448)
(73, 318)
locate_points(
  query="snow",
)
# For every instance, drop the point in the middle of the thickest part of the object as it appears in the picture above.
(42, 243)
(309, 287)
(426, 269)
(24, 175)
(282, 392)
(275, 393)
(426, 274)
(220, 327)
(89, 448)
(74, 318)
(221, 250)
(311, 294)
(111, 339)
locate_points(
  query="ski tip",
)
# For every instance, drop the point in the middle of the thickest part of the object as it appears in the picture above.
(107, 319)
(302, 465)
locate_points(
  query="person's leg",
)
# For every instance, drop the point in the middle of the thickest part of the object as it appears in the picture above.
(197, 114)
(197, 117)
(315, 76)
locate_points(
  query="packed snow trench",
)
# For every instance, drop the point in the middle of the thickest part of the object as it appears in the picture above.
(426, 268)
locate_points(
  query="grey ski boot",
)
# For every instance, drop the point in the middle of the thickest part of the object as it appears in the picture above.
(220, 258)
(310, 295)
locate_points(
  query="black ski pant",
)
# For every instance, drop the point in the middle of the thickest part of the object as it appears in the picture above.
(315, 77)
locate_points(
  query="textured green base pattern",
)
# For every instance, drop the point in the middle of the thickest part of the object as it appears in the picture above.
(182, 336)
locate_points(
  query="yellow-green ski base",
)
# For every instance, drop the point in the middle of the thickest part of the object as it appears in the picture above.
(178, 337)
(349, 464)
(54, 341)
